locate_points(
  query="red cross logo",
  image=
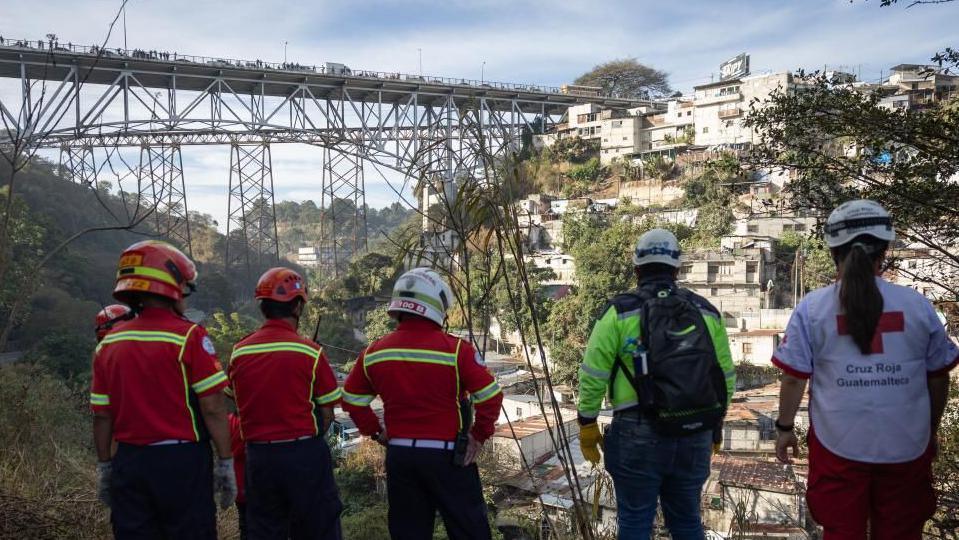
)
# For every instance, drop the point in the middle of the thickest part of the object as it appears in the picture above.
(891, 321)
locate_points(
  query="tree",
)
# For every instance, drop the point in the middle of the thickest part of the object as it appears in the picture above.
(378, 324)
(227, 330)
(627, 78)
(840, 143)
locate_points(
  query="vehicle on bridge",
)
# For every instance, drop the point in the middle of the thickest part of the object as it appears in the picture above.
(581, 90)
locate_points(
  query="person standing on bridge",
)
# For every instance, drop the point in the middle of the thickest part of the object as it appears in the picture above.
(879, 358)
(157, 390)
(424, 376)
(285, 391)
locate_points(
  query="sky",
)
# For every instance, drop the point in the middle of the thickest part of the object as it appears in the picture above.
(525, 41)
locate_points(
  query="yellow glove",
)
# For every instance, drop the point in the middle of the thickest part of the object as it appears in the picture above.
(590, 442)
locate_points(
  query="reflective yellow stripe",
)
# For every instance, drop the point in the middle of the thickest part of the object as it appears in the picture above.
(186, 385)
(260, 348)
(209, 382)
(486, 393)
(99, 399)
(359, 400)
(143, 271)
(143, 336)
(316, 360)
(410, 355)
(329, 398)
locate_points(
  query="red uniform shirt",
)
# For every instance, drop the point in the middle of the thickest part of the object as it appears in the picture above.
(239, 457)
(279, 379)
(148, 373)
(421, 372)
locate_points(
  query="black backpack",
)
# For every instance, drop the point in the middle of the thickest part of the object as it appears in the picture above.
(682, 388)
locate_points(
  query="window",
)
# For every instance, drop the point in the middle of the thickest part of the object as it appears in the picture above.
(519, 412)
(689, 113)
(679, 114)
(799, 227)
(712, 268)
(751, 267)
(747, 348)
(624, 138)
(605, 140)
(714, 292)
(752, 228)
(726, 269)
(911, 265)
(705, 130)
(617, 123)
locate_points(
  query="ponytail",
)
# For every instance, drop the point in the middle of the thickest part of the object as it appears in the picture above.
(859, 295)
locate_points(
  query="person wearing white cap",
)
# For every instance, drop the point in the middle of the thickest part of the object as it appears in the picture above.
(660, 355)
(878, 360)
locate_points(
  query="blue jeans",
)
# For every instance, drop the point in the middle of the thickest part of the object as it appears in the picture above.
(646, 466)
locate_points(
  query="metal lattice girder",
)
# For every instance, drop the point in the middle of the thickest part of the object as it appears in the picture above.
(343, 231)
(161, 187)
(251, 222)
(78, 164)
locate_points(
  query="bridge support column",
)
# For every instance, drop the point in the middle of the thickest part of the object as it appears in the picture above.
(78, 165)
(251, 223)
(343, 230)
(161, 188)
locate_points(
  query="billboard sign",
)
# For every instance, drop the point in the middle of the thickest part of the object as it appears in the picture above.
(738, 66)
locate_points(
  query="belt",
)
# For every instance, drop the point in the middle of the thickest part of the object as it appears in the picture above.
(423, 443)
(169, 441)
(283, 441)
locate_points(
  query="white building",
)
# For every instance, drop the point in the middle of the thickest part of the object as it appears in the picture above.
(532, 437)
(562, 264)
(755, 347)
(721, 106)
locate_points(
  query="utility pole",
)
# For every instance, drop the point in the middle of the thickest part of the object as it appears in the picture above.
(420, 51)
(483, 73)
(285, 43)
(124, 26)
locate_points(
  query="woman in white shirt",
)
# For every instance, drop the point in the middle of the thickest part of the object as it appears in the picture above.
(878, 359)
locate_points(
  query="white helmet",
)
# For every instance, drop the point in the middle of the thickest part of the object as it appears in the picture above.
(422, 292)
(855, 218)
(657, 246)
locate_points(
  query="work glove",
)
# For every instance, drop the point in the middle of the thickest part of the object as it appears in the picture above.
(224, 482)
(104, 478)
(590, 442)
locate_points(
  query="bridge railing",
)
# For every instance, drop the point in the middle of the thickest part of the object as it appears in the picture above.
(290, 67)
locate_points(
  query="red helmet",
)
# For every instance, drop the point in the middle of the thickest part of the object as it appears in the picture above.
(280, 284)
(109, 316)
(154, 267)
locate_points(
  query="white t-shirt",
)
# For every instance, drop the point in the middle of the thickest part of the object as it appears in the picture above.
(872, 408)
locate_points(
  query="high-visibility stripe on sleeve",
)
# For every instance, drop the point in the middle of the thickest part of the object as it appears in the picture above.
(99, 399)
(486, 393)
(358, 400)
(288, 346)
(209, 382)
(594, 372)
(329, 397)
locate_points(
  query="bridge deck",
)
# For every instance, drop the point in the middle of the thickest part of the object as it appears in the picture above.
(265, 79)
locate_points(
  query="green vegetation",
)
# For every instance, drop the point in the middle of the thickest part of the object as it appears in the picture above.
(627, 78)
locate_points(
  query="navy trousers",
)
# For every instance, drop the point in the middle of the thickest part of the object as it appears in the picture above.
(161, 492)
(421, 481)
(290, 492)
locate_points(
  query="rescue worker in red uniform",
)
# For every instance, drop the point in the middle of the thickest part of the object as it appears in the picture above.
(422, 374)
(157, 390)
(109, 316)
(285, 392)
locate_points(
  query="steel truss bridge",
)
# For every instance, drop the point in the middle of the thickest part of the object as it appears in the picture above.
(76, 99)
